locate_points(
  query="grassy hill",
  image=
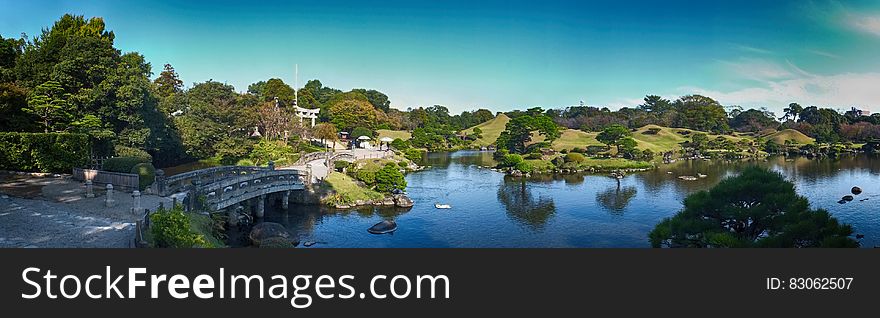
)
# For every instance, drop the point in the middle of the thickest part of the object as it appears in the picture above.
(780, 137)
(491, 130)
(394, 134)
(667, 139)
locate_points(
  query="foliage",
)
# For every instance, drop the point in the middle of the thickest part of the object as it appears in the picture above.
(612, 135)
(361, 131)
(399, 144)
(758, 208)
(701, 113)
(414, 154)
(123, 151)
(524, 166)
(326, 132)
(48, 101)
(271, 150)
(245, 163)
(366, 176)
(52, 152)
(753, 120)
(390, 178)
(347, 191)
(171, 228)
(123, 164)
(341, 164)
(518, 132)
(348, 114)
(146, 174)
(510, 160)
(574, 157)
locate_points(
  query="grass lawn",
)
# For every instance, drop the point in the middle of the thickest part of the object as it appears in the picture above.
(780, 137)
(394, 134)
(491, 130)
(348, 190)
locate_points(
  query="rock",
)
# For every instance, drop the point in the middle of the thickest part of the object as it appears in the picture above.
(359, 202)
(269, 232)
(403, 201)
(841, 201)
(343, 206)
(847, 198)
(388, 202)
(856, 190)
(383, 227)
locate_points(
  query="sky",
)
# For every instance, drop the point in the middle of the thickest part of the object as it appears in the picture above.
(506, 55)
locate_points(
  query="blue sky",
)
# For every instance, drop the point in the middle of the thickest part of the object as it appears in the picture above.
(507, 54)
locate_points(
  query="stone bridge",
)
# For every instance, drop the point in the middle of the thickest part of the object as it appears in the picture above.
(218, 188)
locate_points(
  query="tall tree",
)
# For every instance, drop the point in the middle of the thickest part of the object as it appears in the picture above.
(347, 114)
(701, 113)
(518, 132)
(168, 82)
(48, 101)
(612, 135)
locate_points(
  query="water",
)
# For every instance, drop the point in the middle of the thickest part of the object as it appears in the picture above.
(494, 210)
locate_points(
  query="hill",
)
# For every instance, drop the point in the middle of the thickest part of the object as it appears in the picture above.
(780, 137)
(394, 134)
(491, 130)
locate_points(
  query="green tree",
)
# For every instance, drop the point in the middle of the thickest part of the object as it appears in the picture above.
(758, 208)
(701, 113)
(347, 114)
(168, 82)
(390, 178)
(376, 98)
(518, 132)
(326, 132)
(48, 101)
(612, 135)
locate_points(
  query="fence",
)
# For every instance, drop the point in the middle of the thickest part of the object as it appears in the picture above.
(117, 179)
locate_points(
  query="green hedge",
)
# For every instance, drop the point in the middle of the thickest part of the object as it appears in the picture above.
(122, 164)
(146, 174)
(43, 152)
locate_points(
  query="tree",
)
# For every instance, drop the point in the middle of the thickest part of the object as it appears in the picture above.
(612, 135)
(376, 98)
(518, 132)
(389, 178)
(168, 82)
(753, 120)
(792, 112)
(701, 113)
(758, 208)
(325, 132)
(48, 101)
(656, 104)
(347, 114)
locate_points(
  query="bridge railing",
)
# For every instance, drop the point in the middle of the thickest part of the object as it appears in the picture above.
(181, 182)
(229, 191)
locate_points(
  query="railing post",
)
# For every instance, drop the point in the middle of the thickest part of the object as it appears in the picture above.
(271, 165)
(194, 195)
(136, 197)
(108, 201)
(160, 182)
(90, 192)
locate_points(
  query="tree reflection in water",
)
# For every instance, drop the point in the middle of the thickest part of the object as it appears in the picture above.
(524, 207)
(615, 199)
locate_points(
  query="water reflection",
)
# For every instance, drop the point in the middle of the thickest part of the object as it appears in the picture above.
(523, 206)
(615, 199)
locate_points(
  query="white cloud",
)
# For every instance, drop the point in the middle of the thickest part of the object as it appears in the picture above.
(825, 54)
(864, 23)
(835, 91)
(758, 69)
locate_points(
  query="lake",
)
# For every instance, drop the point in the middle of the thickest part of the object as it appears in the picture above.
(490, 209)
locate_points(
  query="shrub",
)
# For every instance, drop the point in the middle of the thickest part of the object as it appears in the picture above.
(400, 144)
(389, 178)
(575, 157)
(402, 164)
(43, 152)
(563, 151)
(123, 164)
(414, 154)
(648, 154)
(245, 163)
(577, 150)
(500, 153)
(265, 151)
(123, 151)
(651, 131)
(511, 160)
(171, 228)
(524, 166)
(558, 162)
(366, 176)
(594, 150)
(361, 131)
(146, 174)
(341, 164)
(534, 156)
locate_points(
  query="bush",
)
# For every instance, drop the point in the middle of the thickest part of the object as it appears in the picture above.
(414, 154)
(389, 178)
(123, 151)
(265, 151)
(652, 131)
(575, 157)
(43, 152)
(402, 164)
(366, 176)
(171, 228)
(123, 164)
(400, 144)
(558, 162)
(146, 174)
(361, 131)
(245, 163)
(511, 160)
(341, 164)
(534, 156)
(524, 166)
(577, 150)
(594, 150)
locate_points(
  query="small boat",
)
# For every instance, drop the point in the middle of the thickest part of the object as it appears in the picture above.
(442, 206)
(701, 175)
(383, 227)
(687, 178)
